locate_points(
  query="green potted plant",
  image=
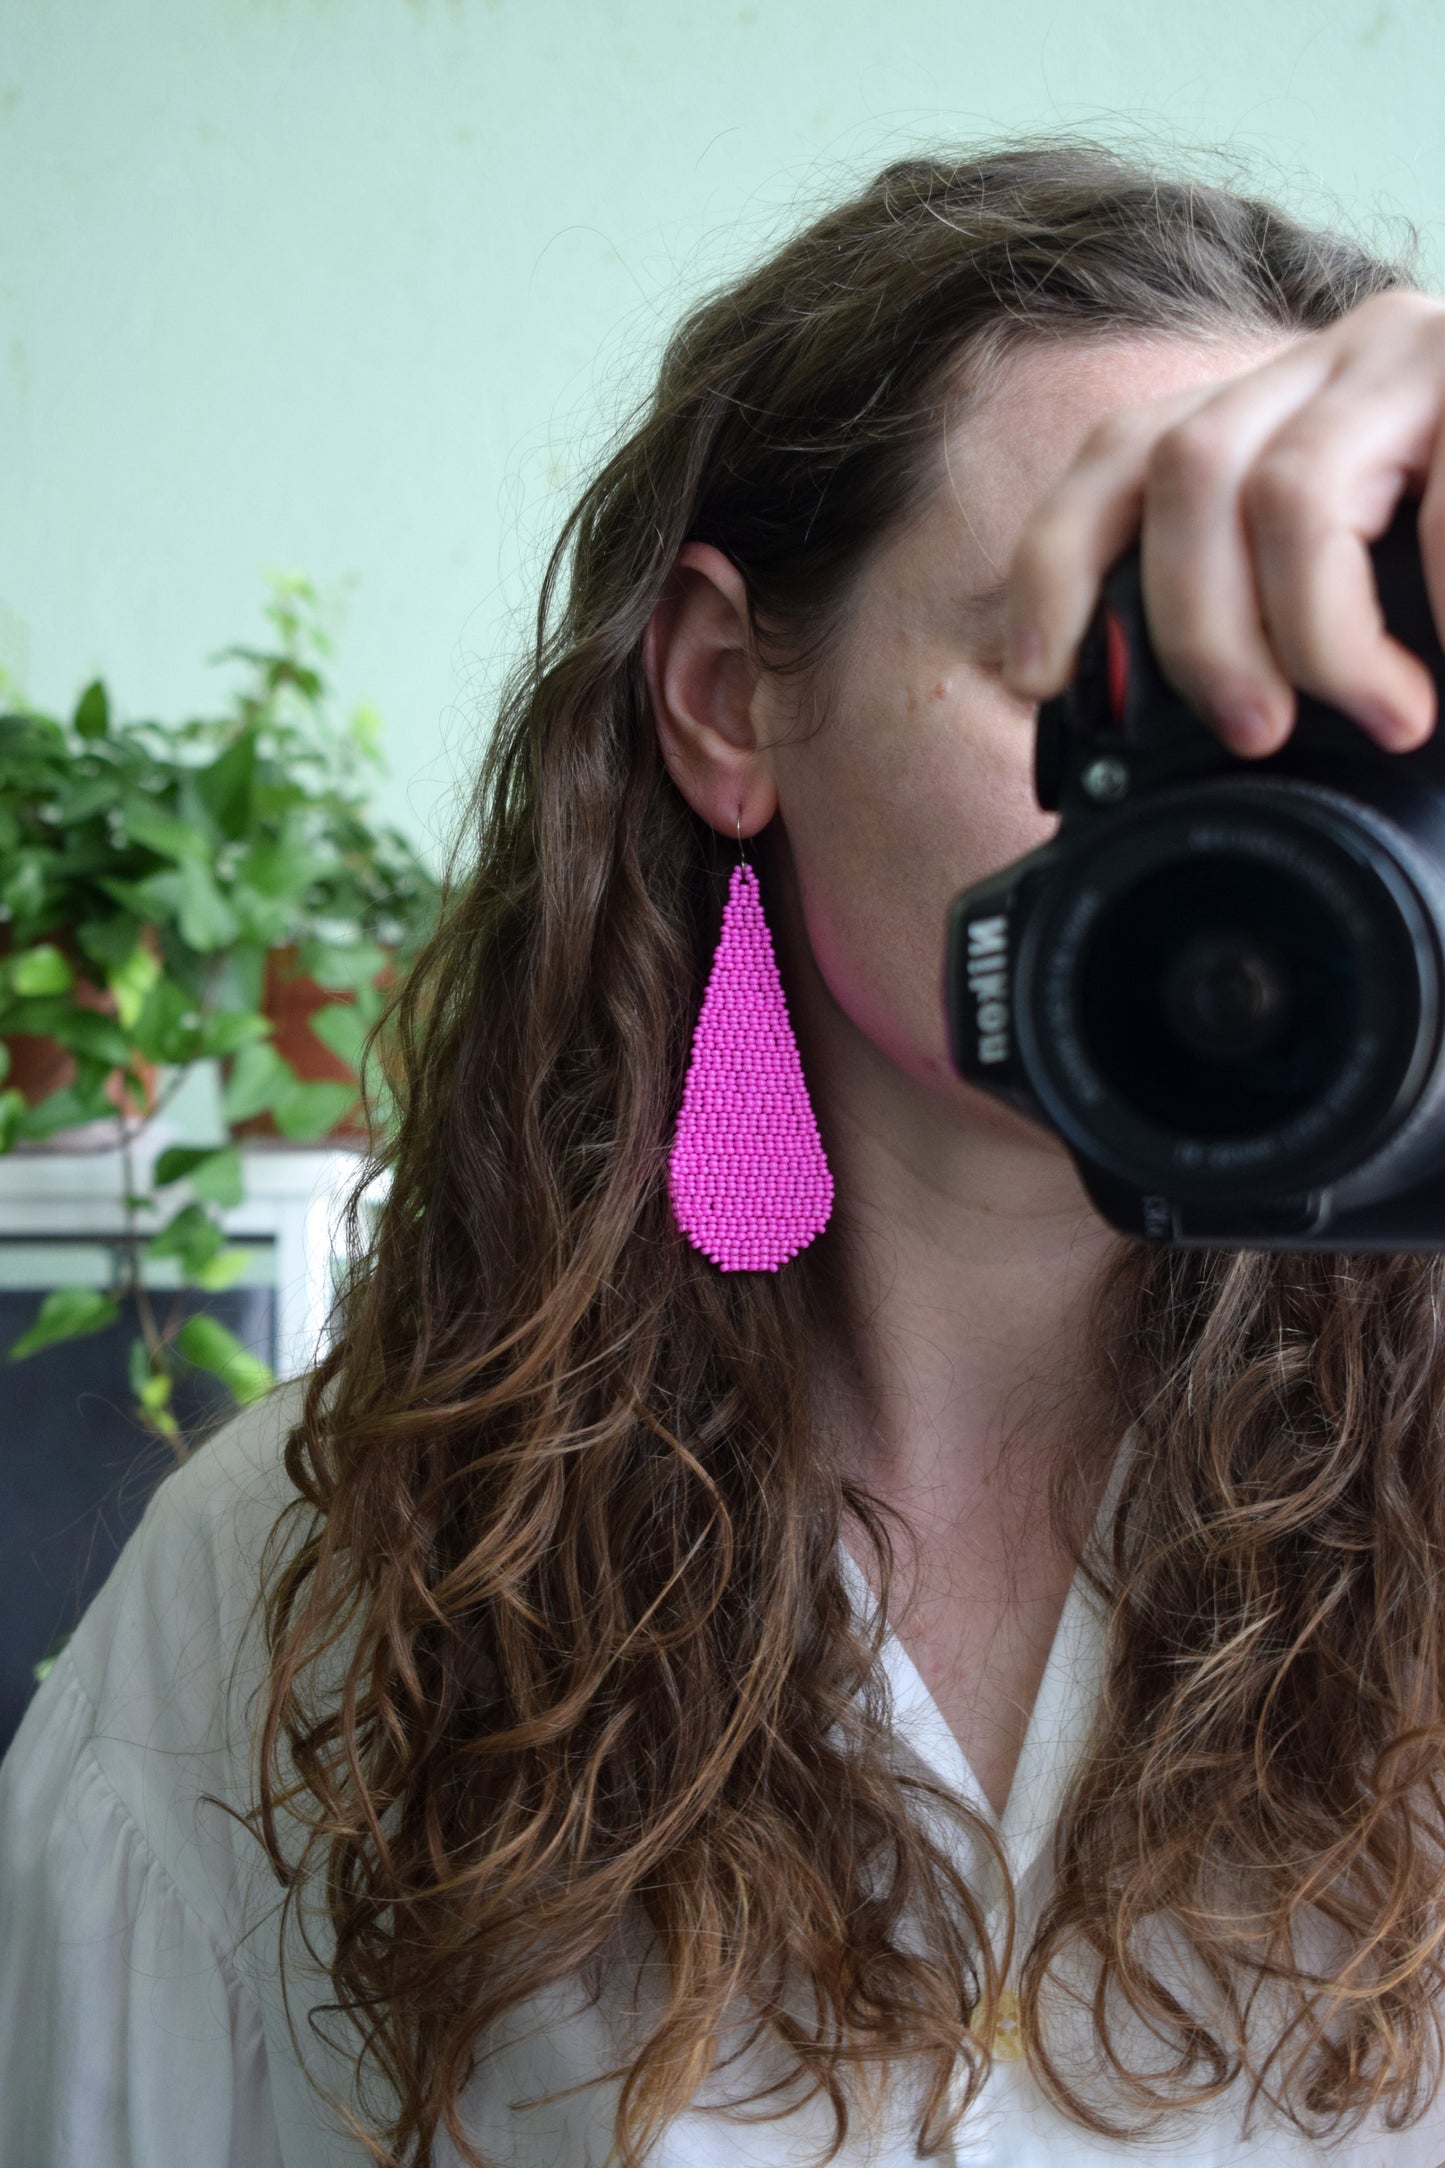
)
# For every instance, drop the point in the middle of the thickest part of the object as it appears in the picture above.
(214, 890)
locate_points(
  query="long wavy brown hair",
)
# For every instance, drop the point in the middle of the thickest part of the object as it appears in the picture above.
(567, 1513)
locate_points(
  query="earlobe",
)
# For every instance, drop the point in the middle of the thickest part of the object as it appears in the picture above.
(703, 681)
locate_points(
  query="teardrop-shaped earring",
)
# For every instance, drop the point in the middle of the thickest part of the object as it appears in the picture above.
(747, 1176)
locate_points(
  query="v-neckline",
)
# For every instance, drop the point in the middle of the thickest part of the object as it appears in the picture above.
(1058, 1724)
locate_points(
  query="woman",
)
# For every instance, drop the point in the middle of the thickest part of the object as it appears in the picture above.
(584, 1782)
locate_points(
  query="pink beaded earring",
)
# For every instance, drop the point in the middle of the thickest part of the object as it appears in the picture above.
(749, 1184)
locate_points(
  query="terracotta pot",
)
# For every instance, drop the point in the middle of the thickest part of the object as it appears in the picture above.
(290, 998)
(40, 1065)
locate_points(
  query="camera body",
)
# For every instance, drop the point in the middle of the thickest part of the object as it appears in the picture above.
(1222, 981)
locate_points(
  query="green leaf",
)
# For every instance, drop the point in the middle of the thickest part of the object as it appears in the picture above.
(214, 1172)
(366, 729)
(155, 1394)
(190, 897)
(161, 1031)
(308, 1111)
(57, 1110)
(150, 1385)
(341, 967)
(176, 1162)
(23, 888)
(240, 979)
(131, 983)
(82, 1031)
(207, 920)
(224, 1269)
(227, 1034)
(370, 1001)
(92, 714)
(266, 920)
(225, 787)
(132, 894)
(159, 831)
(340, 1026)
(82, 796)
(280, 866)
(218, 1180)
(12, 1108)
(108, 941)
(33, 730)
(41, 970)
(190, 1235)
(206, 1342)
(67, 1313)
(257, 1075)
(138, 1366)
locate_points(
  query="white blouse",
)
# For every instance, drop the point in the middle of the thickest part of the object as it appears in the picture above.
(142, 2027)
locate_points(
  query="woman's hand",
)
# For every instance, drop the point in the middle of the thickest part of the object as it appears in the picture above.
(1255, 500)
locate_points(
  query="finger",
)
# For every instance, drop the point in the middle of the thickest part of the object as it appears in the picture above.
(1213, 646)
(1430, 526)
(1323, 490)
(1326, 624)
(1200, 596)
(1086, 521)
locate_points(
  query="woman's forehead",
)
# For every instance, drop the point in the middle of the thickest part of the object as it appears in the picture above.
(1043, 398)
(1008, 446)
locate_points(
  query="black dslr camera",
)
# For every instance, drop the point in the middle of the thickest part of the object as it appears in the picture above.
(1223, 981)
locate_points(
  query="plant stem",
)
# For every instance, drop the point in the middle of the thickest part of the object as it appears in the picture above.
(139, 1293)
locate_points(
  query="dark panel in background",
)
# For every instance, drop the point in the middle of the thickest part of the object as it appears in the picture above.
(76, 1469)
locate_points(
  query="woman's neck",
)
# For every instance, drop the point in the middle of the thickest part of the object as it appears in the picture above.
(963, 1264)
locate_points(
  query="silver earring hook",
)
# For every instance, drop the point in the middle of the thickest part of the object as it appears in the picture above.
(742, 855)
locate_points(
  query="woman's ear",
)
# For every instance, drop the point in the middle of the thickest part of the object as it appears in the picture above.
(705, 690)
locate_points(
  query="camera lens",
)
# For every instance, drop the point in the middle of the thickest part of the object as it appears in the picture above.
(1217, 996)
(1225, 995)
(1232, 989)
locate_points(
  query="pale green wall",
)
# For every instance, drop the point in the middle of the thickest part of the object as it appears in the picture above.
(351, 285)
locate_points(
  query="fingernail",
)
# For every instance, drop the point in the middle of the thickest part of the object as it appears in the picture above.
(1249, 730)
(1025, 651)
(1394, 731)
